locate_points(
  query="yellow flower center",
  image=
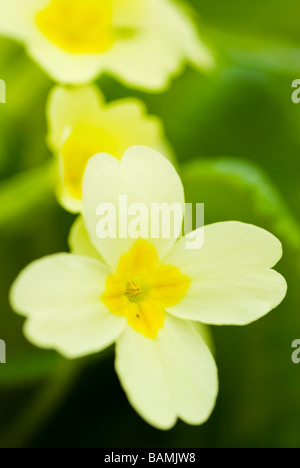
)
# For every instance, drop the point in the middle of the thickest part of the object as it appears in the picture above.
(78, 26)
(142, 289)
(83, 142)
(132, 291)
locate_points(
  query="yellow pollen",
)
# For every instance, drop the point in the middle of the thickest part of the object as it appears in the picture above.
(132, 290)
(144, 299)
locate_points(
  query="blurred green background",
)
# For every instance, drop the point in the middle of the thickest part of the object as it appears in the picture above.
(236, 134)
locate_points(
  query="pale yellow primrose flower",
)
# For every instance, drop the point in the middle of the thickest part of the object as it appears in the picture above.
(142, 42)
(81, 124)
(144, 293)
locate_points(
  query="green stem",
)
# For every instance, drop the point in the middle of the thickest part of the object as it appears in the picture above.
(38, 411)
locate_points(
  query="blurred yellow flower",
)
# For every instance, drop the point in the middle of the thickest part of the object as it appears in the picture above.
(142, 42)
(144, 293)
(81, 125)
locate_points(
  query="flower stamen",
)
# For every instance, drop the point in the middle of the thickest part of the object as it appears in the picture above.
(142, 289)
(132, 290)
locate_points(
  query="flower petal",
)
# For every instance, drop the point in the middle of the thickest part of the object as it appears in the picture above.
(167, 40)
(68, 107)
(60, 295)
(63, 67)
(144, 177)
(172, 376)
(232, 280)
(16, 17)
(79, 241)
(128, 120)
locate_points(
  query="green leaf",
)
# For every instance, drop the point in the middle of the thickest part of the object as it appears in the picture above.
(255, 53)
(237, 190)
(258, 35)
(24, 197)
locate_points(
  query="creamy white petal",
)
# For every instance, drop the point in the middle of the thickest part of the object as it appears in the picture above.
(16, 17)
(61, 298)
(232, 279)
(172, 377)
(79, 241)
(129, 121)
(158, 53)
(62, 66)
(58, 281)
(237, 300)
(143, 176)
(184, 32)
